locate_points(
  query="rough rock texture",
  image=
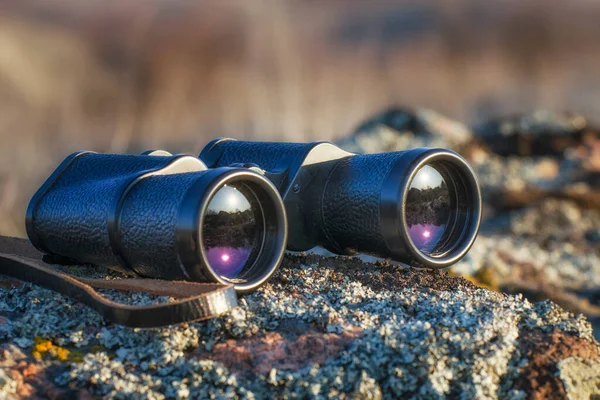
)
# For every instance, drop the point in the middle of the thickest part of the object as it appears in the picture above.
(323, 326)
(519, 326)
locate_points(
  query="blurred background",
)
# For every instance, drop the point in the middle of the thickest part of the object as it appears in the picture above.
(131, 75)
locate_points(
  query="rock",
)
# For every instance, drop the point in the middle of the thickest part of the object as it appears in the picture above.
(282, 350)
(538, 156)
(569, 223)
(323, 326)
(539, 134)
(400, 129)
(515, 182)
(548, 354)
(581, 378)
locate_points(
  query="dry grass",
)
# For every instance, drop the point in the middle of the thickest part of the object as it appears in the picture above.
(132, 75)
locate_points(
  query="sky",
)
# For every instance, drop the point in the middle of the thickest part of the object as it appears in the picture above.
(228, 199)
(427, 177)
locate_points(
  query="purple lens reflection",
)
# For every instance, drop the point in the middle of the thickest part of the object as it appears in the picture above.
(425, 237)
(230, 231)
(228, 262)
(427, 209)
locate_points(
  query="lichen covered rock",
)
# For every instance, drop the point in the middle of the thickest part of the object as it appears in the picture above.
(323, 326)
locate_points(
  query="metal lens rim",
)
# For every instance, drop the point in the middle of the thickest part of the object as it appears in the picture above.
(273, 243)
(458, 175)
(461, 209)
(191, 248)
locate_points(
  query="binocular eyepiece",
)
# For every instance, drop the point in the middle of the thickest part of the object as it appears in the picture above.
(223, 217)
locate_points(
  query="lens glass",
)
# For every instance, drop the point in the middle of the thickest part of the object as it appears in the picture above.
(427, 209)
(230, 230)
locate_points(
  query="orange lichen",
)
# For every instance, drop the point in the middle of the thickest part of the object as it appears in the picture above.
(62, 354)
(45, 347)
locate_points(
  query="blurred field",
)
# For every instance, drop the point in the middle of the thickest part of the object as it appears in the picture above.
(133, 75)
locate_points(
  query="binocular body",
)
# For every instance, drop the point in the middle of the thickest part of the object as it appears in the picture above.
(161, 216)
(421, 207)
(223, 217)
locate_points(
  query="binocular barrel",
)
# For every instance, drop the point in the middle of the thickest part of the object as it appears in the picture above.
(161, 216)
(421, 207)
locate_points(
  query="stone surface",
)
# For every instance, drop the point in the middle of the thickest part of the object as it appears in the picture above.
(322, 327)
(581, 378)
(538, 134)
(399, 129)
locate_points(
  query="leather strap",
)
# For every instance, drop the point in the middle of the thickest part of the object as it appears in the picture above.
(197, 301)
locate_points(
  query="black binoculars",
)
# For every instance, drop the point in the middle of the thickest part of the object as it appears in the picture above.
(223, 217)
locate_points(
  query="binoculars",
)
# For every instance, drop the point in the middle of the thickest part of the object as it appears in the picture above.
(223, 216)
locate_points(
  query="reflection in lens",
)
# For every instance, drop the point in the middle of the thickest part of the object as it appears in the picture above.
(229, 232)
(427, 209)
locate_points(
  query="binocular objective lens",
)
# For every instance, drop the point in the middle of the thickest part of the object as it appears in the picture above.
(232, 230)
(428, 209)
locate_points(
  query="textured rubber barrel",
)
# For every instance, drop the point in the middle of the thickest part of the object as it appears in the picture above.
(148, 225)
(351, 203)
(72, 217)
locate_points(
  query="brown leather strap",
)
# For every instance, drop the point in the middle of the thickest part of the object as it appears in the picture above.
(198, 301)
